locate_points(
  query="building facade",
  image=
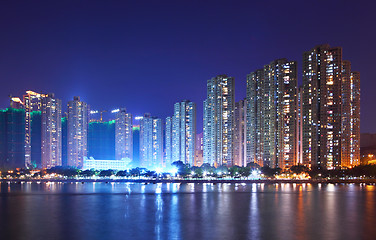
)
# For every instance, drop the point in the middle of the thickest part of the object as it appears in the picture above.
(299, 126)
(32, 102)
(331, 109)
(240, 133)
(77, 132)
(184, 132)
(199, 150)
(350, 142)
(12, 138)
(51, 131)
(255, 120)
(101, 140)
(168, 160)
(271, 115)
(218, 121)
(123, 135)
(64, 141)
(151, 142)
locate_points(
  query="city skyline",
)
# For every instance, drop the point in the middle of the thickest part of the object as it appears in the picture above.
(278, 124)
(211, 119)
(177, 61)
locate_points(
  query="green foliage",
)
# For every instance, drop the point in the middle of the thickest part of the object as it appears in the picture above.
(245, 171)
(183, 169)
(106, 173)
(253, 165)
(65, 171)
(135, 172)
(298, 169)
(368, 170)
(318, 172)
(270, 172)
(222, 169)
(235, 170)
(88, 173)
(122, 174)
(150, 174)
(198, 172)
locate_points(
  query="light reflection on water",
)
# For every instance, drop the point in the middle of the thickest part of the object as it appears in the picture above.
(186, 211)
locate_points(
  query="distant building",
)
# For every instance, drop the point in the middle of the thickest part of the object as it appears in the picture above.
(32, 102)
(255, 119)
(77, 132)
(331, 109)
(299, 126)
(271, 109)
(123, 135)
(199, 150)
(136, 146)
(151, 142)
(218, 121)
(350, 112)
(168, 142)
(109, 164)
(240, 133)
(35, 124)
(64, 141)
(184, 132)
(12, 138)
(51, 131)
(101, 140)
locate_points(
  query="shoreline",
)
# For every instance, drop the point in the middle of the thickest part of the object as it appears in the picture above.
(214, 181)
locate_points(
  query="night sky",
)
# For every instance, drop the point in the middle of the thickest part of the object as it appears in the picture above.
(147, 55)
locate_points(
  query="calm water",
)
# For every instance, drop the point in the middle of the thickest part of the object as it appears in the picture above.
(187, 211)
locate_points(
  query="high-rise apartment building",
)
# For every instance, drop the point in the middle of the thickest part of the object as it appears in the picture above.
(255, 120)
(12, 138)
(136, 140)
(199, 150)
(350, 112)
(218, 121)
(51, 131)
(64, 141)
(240, 133)
(101, 140)
(331, 109)
(151, 142)
(77, 132)
(168, 142)
(184, 132)
(32, 102)
(351, 128)
(299, 126)
(123, 135)
(271, 114)
(35, 124)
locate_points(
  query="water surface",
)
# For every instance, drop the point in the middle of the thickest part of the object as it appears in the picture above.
(186, 211)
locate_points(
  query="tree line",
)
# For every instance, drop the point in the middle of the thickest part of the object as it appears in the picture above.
(206, 170)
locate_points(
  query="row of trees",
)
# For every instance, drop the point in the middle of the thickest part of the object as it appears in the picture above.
(184, 170)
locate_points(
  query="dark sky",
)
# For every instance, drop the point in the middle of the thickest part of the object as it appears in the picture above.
(147, 55)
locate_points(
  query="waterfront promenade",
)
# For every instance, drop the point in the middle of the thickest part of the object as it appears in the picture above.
(184, 181)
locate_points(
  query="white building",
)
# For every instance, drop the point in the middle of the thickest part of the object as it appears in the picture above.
(77, 131)
(184, 132)
(218, 121)
(239, 141)
(168, 142)
(151, 142)
(96, 164)
(123, 134)
(51, 131)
